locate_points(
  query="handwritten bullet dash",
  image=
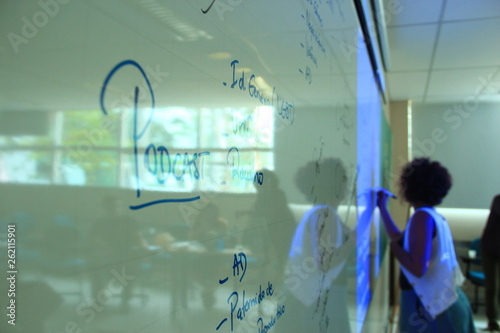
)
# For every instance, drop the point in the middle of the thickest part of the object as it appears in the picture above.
(222, 322)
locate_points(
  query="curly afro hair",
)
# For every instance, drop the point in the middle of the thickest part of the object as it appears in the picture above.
(323, 181)
(424, 182)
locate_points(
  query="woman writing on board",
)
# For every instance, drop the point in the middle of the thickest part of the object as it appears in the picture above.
(431, 300)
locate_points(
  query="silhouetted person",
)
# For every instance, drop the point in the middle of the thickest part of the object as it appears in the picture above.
(490, 255)
(276, 224)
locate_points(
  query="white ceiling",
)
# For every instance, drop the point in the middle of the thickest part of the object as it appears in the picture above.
(443, 50)
(439, 50)
(63, 62)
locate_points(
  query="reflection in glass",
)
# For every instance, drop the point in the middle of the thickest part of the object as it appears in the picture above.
(85, 148)
(83, 128)
(98, 168)
(173, 266)
(23, 166)
(316, 281)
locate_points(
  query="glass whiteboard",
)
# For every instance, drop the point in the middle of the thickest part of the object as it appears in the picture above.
(186, 166)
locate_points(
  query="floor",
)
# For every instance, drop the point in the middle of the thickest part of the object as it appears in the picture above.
(76, 314)
(479, 317)
(480, 321)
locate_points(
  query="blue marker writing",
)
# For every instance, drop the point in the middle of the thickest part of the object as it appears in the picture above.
(240, 262)
(233, 159)
(285, 109)
(156, 160)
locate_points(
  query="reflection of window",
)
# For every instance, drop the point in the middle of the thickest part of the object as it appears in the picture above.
(188, 131)
(88, 148)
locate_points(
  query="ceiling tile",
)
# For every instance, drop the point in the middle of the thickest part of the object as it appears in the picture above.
(468, 44)
(410, 12)
(466, 82)
(411, 47)
(459, 98)
(407, 85)
(467, 9)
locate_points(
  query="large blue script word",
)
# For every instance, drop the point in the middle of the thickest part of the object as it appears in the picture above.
(156, 159)
(240, 306)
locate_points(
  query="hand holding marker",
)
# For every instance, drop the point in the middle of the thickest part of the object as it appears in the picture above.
(386, 191)
(382, 196)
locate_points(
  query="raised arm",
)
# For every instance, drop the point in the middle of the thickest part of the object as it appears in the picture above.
(392, 230)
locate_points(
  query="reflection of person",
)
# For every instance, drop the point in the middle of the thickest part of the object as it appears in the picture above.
(490, 256)
(272, 204)
(210, 232)
(431, 300)
(316, 280)
(116, 243)
(276, 225)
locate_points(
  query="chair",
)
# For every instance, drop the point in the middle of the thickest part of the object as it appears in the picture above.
(474, 272)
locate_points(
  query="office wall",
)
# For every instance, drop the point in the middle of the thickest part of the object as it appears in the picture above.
(465, 138)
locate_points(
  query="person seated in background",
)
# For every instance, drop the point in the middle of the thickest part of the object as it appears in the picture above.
(430, 298)
(210, 229)
(490, 254)
(116, 246)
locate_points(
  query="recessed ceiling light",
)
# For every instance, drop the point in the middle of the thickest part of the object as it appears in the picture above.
(183, 30)
(219, 55)
(243, 69)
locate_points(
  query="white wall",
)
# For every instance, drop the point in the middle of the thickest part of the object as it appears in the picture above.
(466, 139)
